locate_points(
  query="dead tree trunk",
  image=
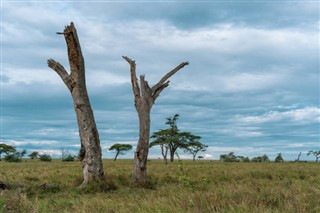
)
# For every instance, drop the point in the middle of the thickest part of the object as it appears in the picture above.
(144, 98)
(90, 152)
(164, 152)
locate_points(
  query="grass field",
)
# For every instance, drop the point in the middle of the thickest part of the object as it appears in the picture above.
(186, 186)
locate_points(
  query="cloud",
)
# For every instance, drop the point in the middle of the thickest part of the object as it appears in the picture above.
(305, 115)
(252, 82)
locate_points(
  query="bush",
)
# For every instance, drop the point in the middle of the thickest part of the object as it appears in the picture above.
(12, 158)
(69, 158)
(45, 157)
(15, 157)
(279, 158)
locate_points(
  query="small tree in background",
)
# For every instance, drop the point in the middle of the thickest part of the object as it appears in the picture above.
(120, 149)
(34, 155)
(263, 158)
(171, 139)
(279, 158)
(246, 159)
(15, 157)
(314, 153)
(65, 155)
(194, 146)
(298, 159)
(4, 148)
(161, 139)
(45, 157)
(231, 157)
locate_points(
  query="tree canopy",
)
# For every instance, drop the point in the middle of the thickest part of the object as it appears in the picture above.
(171, 139)
(4, 148)
(120, 149)
(315, 153)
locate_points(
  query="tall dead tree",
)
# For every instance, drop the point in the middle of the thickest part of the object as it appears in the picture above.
(144, 98)
(90, 152)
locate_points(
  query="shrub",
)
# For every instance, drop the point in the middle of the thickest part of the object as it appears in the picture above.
(12, 158)
(69, 158)
(15, 157)
(45, 157)
(279, 158)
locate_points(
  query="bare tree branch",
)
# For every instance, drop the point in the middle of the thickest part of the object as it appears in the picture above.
(159, 90)
(58, 68)
(134, 80)
(168, 75)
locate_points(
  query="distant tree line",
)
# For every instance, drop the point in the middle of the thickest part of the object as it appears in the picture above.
(231, 157)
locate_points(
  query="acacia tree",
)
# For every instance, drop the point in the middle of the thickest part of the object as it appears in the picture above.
(161, 139)
(175, 141)
(34, 155)
(144, 98)
(172, 139)
(4, 148)
(194, 146)
(120, 149)
(90, 152)
(279, 158)
(315, 153)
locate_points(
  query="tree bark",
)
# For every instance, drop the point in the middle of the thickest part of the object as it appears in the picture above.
(90, 152)
(172, 155)
(164, 152)
(144, 98)
(115, 158)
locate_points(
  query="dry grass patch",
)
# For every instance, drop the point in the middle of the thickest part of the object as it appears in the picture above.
(201, 186)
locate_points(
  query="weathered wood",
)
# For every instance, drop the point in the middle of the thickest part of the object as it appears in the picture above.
(144, 98)
(90, 152)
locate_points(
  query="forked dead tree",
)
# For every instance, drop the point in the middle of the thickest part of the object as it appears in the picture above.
(144, 98)
(90, 152)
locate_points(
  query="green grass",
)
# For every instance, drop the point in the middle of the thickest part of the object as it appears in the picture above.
(201, 186)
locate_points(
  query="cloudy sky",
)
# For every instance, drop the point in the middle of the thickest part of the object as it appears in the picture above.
(252, 86)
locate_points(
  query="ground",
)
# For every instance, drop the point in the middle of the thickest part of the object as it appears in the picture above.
(185, 186)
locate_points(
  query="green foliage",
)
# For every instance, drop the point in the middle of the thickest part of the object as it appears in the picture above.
(45, 157)
(229, 157)
(246, 159)
(182, 176)
(279, 158)
(172, 139)
(15, 157)
(12, 158)
(120, 149)
(315, 153)
(194, 146)
(263, 158)
(4, 148)
(69, 157)
(34, 155)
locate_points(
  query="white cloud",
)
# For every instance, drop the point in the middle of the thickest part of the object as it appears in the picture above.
(208, 156)
(304, 115)
(30, 142)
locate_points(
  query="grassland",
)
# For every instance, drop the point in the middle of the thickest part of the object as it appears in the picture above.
(201, 186)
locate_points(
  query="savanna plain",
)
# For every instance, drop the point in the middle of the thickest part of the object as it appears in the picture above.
(180, 186)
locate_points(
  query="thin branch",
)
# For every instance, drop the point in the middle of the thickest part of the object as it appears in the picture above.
(58, 68)
(159, 90)
(134, 80)
(168, 75)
